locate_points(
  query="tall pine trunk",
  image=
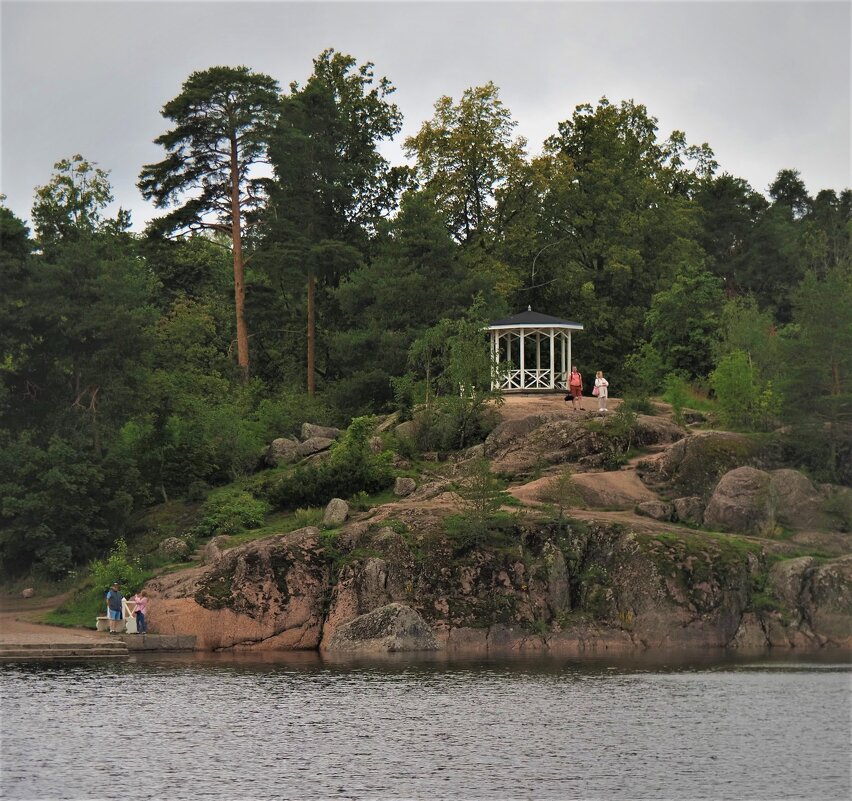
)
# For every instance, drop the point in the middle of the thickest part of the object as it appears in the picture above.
(312, 384)
(239, 271)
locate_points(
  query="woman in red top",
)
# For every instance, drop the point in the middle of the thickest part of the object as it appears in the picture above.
(575, 388)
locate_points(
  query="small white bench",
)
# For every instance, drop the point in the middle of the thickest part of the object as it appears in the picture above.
(128, 624)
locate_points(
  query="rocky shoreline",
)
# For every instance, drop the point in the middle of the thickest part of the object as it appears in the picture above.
(706, 541)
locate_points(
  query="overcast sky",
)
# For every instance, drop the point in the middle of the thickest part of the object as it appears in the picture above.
(767, 85)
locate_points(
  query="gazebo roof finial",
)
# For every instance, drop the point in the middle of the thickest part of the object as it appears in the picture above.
(529, 308)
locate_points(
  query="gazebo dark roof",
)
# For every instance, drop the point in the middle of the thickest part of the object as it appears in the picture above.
(531, 319)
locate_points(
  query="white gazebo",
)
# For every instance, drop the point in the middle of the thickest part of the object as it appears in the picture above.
(530, 352)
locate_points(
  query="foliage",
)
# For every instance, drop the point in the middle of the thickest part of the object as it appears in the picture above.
(71, 205)
(452, 423)
(677, 394)
(463, 155)
(683, 321)
(481, 495)
(644, 370)
(222, 121)
(744, 401)
(350, 467)
(119, 567)
(230, 513)
(562, 492)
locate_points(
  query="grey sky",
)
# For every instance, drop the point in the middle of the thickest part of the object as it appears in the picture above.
(767, 85)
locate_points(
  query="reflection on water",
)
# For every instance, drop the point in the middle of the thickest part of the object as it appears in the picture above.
(298, 726)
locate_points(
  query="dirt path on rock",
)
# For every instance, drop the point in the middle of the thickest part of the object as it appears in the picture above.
(18, 624)
(606, 490)
(516, 407)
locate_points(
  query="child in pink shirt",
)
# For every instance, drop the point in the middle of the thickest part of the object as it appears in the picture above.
(141, 609)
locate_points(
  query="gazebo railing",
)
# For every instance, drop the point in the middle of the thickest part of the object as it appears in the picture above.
(526, 379)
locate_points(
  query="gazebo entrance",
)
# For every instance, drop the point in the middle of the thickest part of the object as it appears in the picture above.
(531, 352)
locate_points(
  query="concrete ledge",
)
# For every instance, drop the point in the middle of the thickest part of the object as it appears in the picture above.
(158, 642)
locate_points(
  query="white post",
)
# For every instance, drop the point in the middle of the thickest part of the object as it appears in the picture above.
(570, 360)
(522, 341)
(537, 357)
(493, 360)
(552, 354)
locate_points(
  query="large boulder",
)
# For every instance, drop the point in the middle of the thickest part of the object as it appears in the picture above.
(740, 502)
(388, 629)
(283, 450)
(309, 431)
(313, 445)
(796, 500)
(694, 465)
(407, 431)
(336, 512)
(689, 510)
(404, 486)
(658, 510)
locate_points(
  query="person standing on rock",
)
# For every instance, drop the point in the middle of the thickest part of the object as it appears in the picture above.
(601, 385)
(575, 388)
(140, 611)
(114, 600)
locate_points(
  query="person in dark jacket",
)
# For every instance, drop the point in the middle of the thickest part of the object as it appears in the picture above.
(114, 600)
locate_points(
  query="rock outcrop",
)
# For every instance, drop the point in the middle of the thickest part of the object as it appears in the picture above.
(265, 595)
(557, 588)
(388, 629)
(524, 445)
(309, 431)
(694, 465)
(283, 450)
(740, 502)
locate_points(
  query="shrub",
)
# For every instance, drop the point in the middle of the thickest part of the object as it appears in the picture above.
(230, 513)
(677, 394)
(453, 423)
(744, 401)
(562, 492)
(639, 404)
(351, 467)
(118, 566)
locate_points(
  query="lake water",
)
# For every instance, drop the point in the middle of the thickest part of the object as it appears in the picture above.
(295, 726)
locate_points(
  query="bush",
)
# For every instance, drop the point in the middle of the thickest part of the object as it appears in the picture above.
(744, 401)
(454, 423)
(230, 512)
(639, 404)
(351, 467)
(118, 566)
(677, 394)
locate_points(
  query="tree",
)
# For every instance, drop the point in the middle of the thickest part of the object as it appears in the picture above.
(819, 351)
(332, 186)
(223, 117)
(71, 205)
(464, 153)
(683, 321)
(729, 210)
(413, 280)
(616, 223)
